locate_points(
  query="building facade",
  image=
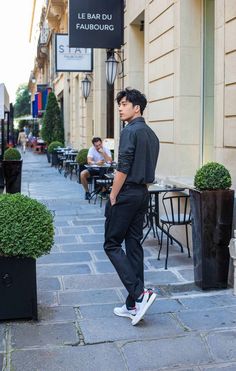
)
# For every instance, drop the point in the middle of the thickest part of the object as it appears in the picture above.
(181, 54)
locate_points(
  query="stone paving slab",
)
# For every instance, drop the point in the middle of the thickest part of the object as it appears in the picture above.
(189, 350)
(220, 366)
(56, 314)
(89, 297)
(75, 230)
(56, 258)
(103, 267)
(61, 223)
(97, 311)
(92, 281)
(65, 239)
(160, 277)
(223, 344)
(180, 259)
(47, 298)
(93, 246)
(211, 301)
(98, 228)
(62, 269)
(102, 357)
(28, 335)
(93, 222)
(209, 318)
(120, 328)
(187, 274)
(92, 238)
(48, 283)
(165, 306)
(100, 255)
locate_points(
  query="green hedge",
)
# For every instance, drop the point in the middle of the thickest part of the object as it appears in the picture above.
(11, 154)
(81, 157)
(212, 176)
(54, 145)
(26, 227)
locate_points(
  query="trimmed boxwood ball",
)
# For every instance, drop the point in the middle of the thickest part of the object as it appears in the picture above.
(212, 176)
(12, 154)
(26, 227)
(81, 157)
(54, 145)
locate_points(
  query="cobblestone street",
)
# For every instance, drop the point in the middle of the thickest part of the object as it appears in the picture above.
(185, 329)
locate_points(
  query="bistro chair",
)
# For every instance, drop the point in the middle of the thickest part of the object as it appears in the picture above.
(177, 213)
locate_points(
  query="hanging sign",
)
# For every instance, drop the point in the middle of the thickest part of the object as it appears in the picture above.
(96, 24)
(72, 59)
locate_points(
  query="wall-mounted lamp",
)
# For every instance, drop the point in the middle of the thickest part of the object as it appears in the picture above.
(112, 66)
(32, 78)
(86, 87)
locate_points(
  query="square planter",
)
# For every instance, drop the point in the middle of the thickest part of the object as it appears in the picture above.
(212, 214)
(12, 173)
(18, 290)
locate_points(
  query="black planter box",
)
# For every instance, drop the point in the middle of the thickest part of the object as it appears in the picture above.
(18, 290)
(212, 213)
(48, 156)
(54, 158)
(12, 174)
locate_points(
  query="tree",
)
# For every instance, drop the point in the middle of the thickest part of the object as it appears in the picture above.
(52, 128)
(22, 104)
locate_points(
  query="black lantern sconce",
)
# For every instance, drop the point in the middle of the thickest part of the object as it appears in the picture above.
(86, 87)
(112, 65)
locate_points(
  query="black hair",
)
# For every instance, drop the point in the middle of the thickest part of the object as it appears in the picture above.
(133, 96)
(96, 139)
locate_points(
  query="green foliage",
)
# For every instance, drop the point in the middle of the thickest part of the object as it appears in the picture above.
(22, 105)
(11, 154)
(22, 124)
(212, 176)
(52, 128)
(81, 157)
(26, 227)
(53, 146)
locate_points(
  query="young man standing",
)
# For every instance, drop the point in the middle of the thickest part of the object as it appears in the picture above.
(97, 155)
(137, 158)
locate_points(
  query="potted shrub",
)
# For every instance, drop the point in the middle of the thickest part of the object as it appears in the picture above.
(26, 233)
(52, 151)
(81, 158)
(212, 211)
(12, 168)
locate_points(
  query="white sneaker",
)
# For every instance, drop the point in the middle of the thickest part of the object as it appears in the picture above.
(147, 300)
(124, 312)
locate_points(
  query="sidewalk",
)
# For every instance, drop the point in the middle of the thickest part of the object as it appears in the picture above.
(185, 329)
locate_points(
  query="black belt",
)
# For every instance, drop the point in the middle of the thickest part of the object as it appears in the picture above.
(132, 185)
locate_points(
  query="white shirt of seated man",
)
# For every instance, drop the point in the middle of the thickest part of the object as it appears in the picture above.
(99, 154)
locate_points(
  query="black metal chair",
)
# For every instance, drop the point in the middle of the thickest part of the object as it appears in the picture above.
(177, 213)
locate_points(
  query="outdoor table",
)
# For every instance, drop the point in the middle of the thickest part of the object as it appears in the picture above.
(153, 214)
(40, 146)
(101, 171)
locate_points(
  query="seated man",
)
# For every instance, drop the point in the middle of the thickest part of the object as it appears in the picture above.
(97, 155)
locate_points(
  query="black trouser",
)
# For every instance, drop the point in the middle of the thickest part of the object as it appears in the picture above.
(124, 221)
